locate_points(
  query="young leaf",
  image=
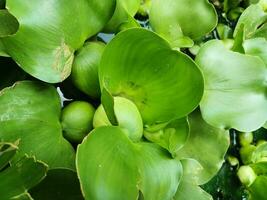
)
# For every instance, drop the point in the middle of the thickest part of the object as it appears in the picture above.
(49, 33)
(30, 112)
(163, 83)
(252, 18)
(172, 136)
(124, 12)
(235, 88)
(176, 20)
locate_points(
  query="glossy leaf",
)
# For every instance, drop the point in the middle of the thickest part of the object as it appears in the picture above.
(30, 112)
(257, 189)
(124, 12)
(59, 184)
(172, 136)
(7, 152)
(85, 68)
(23, 175)
(158, 172)
(207, 145)
(176, 20)
(107, 158)
(49, 33)
(252, 18)
(235, 87)
(189, 189)
(163, 83)
(256, 47)
(8, 23)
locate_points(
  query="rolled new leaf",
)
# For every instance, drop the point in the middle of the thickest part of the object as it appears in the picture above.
(182, 21)
(127, 116)
(164, 84)
(51, 31)
(123, 14)
(30, 111)
(235, 88)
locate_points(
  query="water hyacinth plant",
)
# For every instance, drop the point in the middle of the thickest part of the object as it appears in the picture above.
(133, 99)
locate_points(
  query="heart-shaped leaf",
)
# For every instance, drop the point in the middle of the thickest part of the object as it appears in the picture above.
(164, 84)
(30, 112)
(20, 177)
(107, 158)
(207, 145)
(49, 33)
(176, 20)
(235, 88)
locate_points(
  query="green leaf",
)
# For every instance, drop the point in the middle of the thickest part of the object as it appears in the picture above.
(257, 189)
(256, 47)
(59, 184)
(141, 66)
(7, 152)
(107, 158)
(203, 139)
(235, 88)
(106, 165)
(261, 32)
(124, 12)
(20, 177)
(172, 136)
(8, 23)
(30, 112)
(175, 20)
(252, 18)
(158, 172)
(84, 72)
(188, 188)
(51, 31)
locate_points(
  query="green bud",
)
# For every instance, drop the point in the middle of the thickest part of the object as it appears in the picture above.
(246, 175)
(245, 138)
(84, 73)
(76, 120)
